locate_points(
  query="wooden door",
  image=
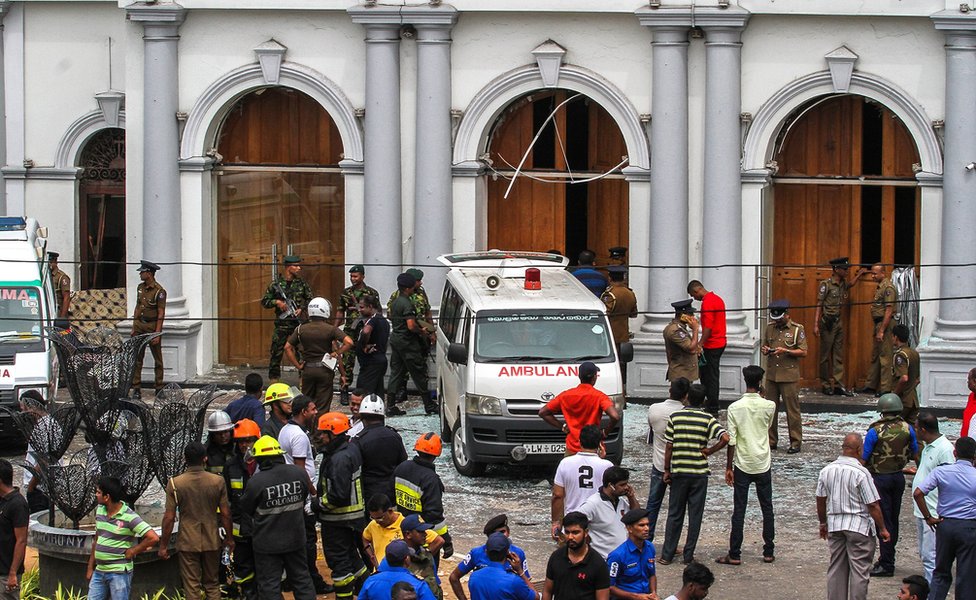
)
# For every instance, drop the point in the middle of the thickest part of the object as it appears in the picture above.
(280, 187)
(101, 212)
(545, 209)
(845, 187)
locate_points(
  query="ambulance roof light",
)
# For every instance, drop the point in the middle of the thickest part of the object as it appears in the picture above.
(533, 280)
(12, 224)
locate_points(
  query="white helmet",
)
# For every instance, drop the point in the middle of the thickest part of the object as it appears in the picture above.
(319, 307)
(372, 405)
(219, 421)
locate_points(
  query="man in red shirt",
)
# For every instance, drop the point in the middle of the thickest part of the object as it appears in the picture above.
(712, 341)
(580, 406)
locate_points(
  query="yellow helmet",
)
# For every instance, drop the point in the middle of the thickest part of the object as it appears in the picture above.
(266, 446)
(279, 391)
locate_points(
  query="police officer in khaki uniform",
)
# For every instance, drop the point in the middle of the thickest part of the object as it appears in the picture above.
(882, 313)
(621, 308)
(681, 342)
(784, 343)
(148, 318)
(905, 374)
(62, 286)
(829, 327)
(316, 341)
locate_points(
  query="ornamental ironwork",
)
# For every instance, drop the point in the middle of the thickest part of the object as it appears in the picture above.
(103, 158)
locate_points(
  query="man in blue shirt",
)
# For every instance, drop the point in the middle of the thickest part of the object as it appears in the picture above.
(504, 578)
(478, 557)
(586, 272)
(955, 527)
(632, 574)
(379, 585)
(249, 406)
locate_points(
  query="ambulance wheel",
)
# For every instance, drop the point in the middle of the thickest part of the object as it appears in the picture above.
(459, 451)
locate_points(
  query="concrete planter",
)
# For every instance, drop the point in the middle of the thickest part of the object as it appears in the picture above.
(63, 554)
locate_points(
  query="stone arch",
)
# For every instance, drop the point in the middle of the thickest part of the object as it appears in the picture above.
(207, 114)
(768, 122)
(77, 136)
(492, 99)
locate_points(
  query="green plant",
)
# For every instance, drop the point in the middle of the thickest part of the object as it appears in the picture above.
(30, 584)
(30, 590)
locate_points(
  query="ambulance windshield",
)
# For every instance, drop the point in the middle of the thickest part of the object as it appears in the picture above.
(542, 336)
(20, 314)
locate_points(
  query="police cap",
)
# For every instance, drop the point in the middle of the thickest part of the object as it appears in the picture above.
(618, 252)
(495, 523)
(840, 263)
(684, 306)
(634, 515)
(778, 308)
(357, 269)
(53, 255)
(145, 265)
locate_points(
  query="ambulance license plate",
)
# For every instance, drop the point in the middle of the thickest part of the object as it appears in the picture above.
(545, 448)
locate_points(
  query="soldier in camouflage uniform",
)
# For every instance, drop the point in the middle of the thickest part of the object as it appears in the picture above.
(832, 294)
(882, 313)
(347, 313)
(888, 446)
(408, 344)
(905, 373)
(298, 291)
(62, 286)
(421, 305)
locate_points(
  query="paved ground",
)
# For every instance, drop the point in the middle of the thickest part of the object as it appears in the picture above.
(800, 568)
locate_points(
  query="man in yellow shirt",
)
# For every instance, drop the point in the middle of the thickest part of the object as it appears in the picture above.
(384, 527)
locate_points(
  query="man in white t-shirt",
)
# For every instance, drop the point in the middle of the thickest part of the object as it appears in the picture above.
(293, 439)
(695, 582)
(937, 451)
(657, 419)
(605, 508)
(578, 477)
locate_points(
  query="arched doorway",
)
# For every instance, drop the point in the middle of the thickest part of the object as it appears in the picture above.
(845, 187)
(101, 211)
(279, 191)
(551, 206)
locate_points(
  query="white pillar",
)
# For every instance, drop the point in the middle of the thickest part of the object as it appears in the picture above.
(4, 10)
(162, 231)
(433, 226)
(722, 207)
(382, 254)
(951, 350)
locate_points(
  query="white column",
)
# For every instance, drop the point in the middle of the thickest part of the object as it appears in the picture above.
(4, 9)
(382, 254)
(669, 162)
(162, 230)
(951, 350)
(433, 225)
(722, 207)
(13, 199)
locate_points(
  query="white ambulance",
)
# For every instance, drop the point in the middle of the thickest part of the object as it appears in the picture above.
(512, 330)
(27, 308)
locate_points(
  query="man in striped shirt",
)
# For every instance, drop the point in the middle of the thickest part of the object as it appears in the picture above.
(686, 469)
(120, 535)
(847, 503)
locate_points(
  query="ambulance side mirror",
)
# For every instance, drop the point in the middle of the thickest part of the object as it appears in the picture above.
(458, 354)
(626, 352)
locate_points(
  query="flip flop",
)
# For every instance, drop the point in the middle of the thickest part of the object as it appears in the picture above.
(727, 560)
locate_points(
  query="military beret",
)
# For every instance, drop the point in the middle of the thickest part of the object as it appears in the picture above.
(357, 269)
(417, 274)
(842, 262)
(406, 280)
(292, 259)
(52, 255)
(145, 265)
(634, 515)
(496, 523)
(684, 306)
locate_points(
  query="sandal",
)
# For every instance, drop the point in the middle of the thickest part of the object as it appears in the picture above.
(768, 559)
(728, 560)
(663, 561)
